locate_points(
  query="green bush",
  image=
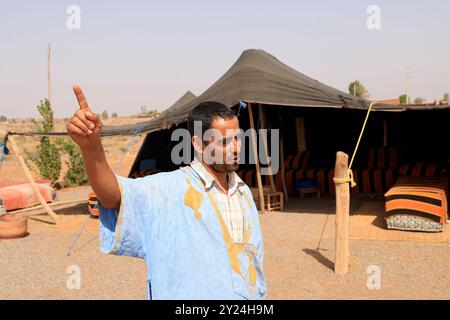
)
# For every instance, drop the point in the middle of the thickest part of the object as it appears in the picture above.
(76, 173)
(48, 158)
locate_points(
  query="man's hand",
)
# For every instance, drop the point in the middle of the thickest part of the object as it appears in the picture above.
(85, 126)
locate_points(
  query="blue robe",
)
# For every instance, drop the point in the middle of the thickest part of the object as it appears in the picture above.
(172, 222)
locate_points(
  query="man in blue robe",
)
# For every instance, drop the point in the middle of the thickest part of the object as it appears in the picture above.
(197, 227)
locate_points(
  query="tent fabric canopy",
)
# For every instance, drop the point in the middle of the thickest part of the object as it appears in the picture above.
(258, 77)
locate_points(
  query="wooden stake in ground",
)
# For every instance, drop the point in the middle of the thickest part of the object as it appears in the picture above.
(255, 151)
(34, 186)
(342, 213)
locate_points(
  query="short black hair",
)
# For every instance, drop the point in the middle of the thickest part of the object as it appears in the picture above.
(207, 112)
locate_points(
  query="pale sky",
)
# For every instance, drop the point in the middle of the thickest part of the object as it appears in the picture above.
(133, 53)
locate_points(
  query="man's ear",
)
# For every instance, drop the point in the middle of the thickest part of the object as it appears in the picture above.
(197, 143)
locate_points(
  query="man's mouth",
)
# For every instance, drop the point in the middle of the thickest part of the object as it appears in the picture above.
(233, 160)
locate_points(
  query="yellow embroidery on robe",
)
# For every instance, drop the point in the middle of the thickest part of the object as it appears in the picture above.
(235, 249)
(193, 199)
(251, 271)
(246, 198)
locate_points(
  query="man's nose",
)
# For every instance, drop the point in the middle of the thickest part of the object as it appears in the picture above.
(237, 143)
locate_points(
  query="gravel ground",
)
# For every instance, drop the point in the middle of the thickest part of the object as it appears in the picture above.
(36, 267)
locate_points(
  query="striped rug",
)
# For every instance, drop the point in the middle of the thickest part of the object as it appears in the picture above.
(420, 202)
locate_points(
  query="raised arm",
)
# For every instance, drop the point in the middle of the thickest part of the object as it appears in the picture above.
(84, 127)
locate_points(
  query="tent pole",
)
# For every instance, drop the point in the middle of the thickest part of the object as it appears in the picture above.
(255, 151)
(266, 151)
(283, 177)
(34, 186)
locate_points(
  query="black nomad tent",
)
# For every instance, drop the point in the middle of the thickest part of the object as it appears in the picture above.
(256, 77)
(313, 117)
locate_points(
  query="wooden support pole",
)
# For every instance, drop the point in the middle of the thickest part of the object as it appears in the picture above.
(255, 151)
(283, 173)
(342, 214)
(266, 150)
(34, 186)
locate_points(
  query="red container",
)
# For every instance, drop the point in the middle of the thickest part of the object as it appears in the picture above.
(13, 226)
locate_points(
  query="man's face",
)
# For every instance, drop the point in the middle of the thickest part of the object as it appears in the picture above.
(222, 145)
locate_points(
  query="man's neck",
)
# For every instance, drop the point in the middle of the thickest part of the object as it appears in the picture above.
(221, 177)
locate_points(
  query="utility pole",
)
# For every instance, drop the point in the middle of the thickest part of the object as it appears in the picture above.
(408, 77)
(49, 96)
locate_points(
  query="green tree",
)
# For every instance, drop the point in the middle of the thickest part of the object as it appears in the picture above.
(403, 99)
(105, 115)
(357, 89)
(446, 98)
(48, 158)
(114, 115)
(3, 119)
(419, 100)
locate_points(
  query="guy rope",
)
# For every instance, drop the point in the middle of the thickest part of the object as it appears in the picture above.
(350, 173)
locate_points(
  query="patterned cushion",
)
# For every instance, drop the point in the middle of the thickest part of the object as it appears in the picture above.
(412, 223)
(417, 203)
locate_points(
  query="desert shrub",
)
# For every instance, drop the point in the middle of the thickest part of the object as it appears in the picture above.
(76, 173)
(48, 158)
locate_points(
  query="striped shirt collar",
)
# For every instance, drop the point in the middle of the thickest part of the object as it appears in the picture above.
(208, 179)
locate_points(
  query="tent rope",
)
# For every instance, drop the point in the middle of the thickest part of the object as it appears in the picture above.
(350, 172)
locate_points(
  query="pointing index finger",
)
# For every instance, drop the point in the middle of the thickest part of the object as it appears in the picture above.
(80, 97)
